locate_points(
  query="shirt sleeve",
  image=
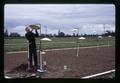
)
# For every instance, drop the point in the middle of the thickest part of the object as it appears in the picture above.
(36, 35)
(26, 36)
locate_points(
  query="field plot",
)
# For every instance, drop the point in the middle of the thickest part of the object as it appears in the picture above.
(90, 61)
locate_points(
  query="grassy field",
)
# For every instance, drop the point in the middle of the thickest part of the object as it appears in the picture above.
(20, 44)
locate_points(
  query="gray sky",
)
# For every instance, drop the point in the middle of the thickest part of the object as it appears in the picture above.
(88, 17)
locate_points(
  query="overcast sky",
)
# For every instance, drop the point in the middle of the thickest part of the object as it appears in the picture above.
(89, 18)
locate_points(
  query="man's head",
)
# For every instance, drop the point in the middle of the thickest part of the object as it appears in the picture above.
(27, 29)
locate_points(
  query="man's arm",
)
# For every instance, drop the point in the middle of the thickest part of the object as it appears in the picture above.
(36, 35)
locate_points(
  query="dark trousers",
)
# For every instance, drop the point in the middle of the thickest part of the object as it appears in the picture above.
(33, 55)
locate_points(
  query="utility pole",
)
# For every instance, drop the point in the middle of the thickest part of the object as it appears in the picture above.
(104, 29)
(45, 31)
(77, 33)
(78, 42)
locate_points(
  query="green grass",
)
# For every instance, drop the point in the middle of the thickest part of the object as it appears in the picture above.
(20, 44)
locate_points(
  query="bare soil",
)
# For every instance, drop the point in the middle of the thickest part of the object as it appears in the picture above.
(90, 61)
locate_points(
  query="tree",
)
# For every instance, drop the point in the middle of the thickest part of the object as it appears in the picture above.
(54, 35)
(50, 35)
(67, 35)
(6, 33)
(109, 33)
(112, 33)
(73, 35)
(43, 35)
(61, 34)
(14, 34)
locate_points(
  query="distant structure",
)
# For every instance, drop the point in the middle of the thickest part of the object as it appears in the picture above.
(6, 33)
(61, 34)
(58, 31)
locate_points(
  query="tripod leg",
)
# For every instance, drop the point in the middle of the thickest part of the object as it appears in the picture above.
(39, 58)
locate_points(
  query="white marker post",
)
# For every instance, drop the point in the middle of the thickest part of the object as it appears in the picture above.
(44, 65)
(65, 67)
(77, 31)
(78, 51)
(81, 38)
(109, 39)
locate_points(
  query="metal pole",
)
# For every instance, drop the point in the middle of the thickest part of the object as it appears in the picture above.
(104, 29)
(78, 43)
(45, 31)
(28, 56)
(108, 41)
(40, 56)
(98, 44)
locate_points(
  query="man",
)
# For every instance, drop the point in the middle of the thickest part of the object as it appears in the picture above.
(30, 36)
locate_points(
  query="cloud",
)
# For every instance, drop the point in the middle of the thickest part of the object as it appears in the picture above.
(54, 15)
(19, 29)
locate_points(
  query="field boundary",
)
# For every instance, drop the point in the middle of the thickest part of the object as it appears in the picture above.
(61, 49)
(98, 74)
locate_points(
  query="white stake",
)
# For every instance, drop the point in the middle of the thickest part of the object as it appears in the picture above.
(44, 63)
(78, 51)
(65, 67)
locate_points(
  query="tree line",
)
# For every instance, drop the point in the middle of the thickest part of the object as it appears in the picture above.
(12, 34)
(60, 34)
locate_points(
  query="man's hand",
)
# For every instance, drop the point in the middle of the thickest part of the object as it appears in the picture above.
(35, 29)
